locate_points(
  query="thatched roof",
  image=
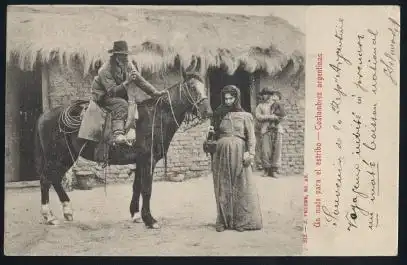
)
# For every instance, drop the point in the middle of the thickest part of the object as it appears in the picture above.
(157, 37)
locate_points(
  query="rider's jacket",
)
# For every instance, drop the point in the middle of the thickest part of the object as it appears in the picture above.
(109, 83)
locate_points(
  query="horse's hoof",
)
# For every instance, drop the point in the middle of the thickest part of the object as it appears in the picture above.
(52, 222)
(68, 217)
(155, 226)
(137, 218)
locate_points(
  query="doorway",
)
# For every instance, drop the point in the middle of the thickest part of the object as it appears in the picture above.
(219, 78)
(30, 98)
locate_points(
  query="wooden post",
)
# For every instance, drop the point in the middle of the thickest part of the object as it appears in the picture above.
(45, 87)
(254, 89)
(208, 86)
(12, 125)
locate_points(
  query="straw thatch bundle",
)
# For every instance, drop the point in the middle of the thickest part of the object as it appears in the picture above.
(85, 33)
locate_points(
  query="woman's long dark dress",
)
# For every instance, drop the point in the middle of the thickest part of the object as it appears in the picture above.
(235, 190)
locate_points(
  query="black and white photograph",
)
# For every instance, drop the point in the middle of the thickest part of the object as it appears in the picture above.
(154, 130)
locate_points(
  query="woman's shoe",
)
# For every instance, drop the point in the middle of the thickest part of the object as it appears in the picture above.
(265, 172)
(272, 173)
(220, 228)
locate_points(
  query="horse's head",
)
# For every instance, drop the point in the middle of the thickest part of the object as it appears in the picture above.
(195, 90)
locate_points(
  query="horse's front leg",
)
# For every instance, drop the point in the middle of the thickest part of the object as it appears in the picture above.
(146, 189)
(135, 199)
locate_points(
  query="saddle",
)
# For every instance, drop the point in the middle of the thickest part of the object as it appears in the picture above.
(95, 123)
(91, 122)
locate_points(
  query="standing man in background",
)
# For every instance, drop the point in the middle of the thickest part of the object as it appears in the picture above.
(269, 114)
(257, 129)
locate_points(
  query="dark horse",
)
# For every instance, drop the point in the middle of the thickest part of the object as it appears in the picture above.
(57, 150)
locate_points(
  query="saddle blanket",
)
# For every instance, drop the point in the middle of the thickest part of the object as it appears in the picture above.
(93, 123)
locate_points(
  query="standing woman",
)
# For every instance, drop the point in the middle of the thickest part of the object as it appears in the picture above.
(235, 191)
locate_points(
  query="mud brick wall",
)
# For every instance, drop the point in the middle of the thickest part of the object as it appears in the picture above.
(294, 123)
(185, 156)
(66, 85)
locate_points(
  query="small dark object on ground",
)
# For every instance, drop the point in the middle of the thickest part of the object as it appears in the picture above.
(84, 182)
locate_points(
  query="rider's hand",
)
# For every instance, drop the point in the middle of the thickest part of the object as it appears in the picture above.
(159, 93)
(134, 74)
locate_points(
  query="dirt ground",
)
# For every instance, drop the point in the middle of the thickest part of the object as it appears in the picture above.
(185, 210)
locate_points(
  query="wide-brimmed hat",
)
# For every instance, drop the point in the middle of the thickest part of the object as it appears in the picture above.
(119, 47)
(265, 91)
(276, 92)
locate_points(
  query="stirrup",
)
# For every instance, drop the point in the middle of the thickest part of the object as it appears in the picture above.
(115, 139)
(130, 141)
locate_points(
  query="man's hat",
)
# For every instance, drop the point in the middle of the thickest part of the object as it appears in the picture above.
(119, 47)
(275, 92)
(266, 91)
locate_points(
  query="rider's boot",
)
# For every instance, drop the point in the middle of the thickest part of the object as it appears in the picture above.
(118, 132)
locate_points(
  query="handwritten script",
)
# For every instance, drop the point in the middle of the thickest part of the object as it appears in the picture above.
(354, 127)
(352, 121)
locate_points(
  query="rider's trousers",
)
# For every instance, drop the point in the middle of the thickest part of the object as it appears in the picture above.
(118, 108)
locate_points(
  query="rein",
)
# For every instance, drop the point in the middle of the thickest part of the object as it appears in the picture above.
(73, 123)
(194, 104)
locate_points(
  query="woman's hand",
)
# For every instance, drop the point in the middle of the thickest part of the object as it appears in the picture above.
(247, 159)
(209, 147)
(205, 147)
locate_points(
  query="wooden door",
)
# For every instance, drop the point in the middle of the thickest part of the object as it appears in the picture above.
(219, 78)
(30, 110)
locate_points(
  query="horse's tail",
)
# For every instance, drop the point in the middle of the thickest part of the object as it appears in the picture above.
(39, 149)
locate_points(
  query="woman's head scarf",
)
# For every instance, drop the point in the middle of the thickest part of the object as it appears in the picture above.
(224, 109)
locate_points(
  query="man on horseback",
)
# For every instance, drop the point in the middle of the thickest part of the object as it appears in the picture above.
(115, 89)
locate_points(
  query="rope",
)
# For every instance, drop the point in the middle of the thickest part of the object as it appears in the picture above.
(171, 108)
(106, 156)
(160, 99)
(74, 162)
(162, 145)
(106, 159)
(69, 121)
(162, 134)
(73, 123)
(152, 135)
(70, 152)
(190, 100)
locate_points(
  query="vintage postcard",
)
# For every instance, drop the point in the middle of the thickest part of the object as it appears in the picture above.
(202, 130)
(352, 130)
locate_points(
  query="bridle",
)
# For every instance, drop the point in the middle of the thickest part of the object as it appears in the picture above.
(184, 90)
(191, 100)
